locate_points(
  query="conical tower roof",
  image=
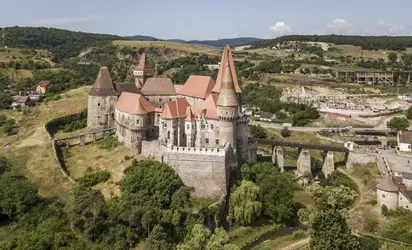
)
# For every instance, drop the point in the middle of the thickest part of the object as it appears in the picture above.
(143, 65)
(226, 57)
(227, 94)
(103, 86)
(387, 184)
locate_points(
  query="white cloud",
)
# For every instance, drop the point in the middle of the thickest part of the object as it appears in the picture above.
(385, 28)
(339, 26)
(281, 28)
(61, 21)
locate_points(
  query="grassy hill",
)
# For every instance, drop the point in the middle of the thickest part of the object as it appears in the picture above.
(63, 43)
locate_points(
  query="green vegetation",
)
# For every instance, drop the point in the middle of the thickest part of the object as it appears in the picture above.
(281, 242)
(9, 125)
(337, 179)
(398, 124)
(90, 179)
(257, 132)
(327, 224)
(63, 43)
(409, 113)
(366, 42)
(67, 123)
(243, 236)
(285, 132)
(108, 143)
(200, 238)
(399, 228)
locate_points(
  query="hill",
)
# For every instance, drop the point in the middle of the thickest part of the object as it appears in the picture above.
(398, 43)
(63, 43)
(141, 38)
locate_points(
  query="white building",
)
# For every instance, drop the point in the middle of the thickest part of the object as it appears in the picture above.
(404, 139)
(394, 193)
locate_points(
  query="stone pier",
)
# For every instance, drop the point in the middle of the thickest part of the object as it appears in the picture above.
(303, 163)
(82, 140)
(277, 158)
(328, 163)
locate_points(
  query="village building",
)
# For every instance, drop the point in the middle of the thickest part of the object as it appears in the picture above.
(19, 102)
(267, 116)
(42, 87)
(404, 139)
(198, 128)
(395, 192)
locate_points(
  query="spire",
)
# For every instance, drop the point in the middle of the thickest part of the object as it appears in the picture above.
(227, 94)
(142, 63)
(226, 57)
(103, 86)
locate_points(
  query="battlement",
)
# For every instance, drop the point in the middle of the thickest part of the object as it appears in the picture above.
(193, 150)
(243, 119)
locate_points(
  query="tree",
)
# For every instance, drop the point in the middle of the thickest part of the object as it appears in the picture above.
(244, 204)
(409, 113)
(181, 198)
(257, 132)
(398, 124)
(5, 100)
(392, 57)
(285, 132)
(158, 240)
(5, 165)
(3, 119)
(219, 240)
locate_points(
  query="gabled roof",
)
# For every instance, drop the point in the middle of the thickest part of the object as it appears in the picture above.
(43, 83)
(227, 94)
(197, 86)
(387, 184)
(134, 104)
(103, 86)
(226, 57)
(21, 99)
(175, 109)
(159, 86)
(178, 88)
(189, 115)
(266, 115)
(405, 137)
(208, 107)
(143, 65)
(127, 87)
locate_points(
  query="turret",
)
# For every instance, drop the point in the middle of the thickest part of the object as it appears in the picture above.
(227, 108)
(101, 101)
(142, 72)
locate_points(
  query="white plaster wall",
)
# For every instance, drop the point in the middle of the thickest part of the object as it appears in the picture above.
(389, 199)
(404, 202)
(404, 147)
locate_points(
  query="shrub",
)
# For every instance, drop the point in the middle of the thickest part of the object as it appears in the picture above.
(257, 132)
(337, 179)
(370, 224)
(126, 157)
(108, 143)
(285, 132)
(68, 123)
(91, 179)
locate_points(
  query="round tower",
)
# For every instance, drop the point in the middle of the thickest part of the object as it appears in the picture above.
(142, 72)
(227, 109)
(101, 102)
(387, 193)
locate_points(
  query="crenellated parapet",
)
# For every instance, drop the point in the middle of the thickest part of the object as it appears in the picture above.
(243, 119)
(194, 150)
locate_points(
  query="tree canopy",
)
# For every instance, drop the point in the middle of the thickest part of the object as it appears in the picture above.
(398, 124)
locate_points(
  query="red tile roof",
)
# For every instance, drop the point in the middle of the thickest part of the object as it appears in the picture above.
(227, 95)
(175, 109)
(134, 104)
(159, 86)
(178, 88)
(208, 107)
(197, 86)
(387, 184)
(226, 57)
(189, 115)
(143, 64)
(43, 83)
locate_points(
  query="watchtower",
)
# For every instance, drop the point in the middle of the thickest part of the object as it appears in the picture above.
(142, 72)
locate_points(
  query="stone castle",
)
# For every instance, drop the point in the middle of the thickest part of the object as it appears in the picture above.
(198, 128)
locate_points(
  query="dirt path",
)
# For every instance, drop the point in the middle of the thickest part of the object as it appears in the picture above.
(297, 245)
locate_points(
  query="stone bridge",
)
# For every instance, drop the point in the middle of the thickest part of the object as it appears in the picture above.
(304, 172)
(85, 138)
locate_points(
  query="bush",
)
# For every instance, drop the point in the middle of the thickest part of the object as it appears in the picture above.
(370, 224)
(108, 143)
(392, 143)
(368, 243)
(285, 132)
(91, 179)
(67, 123)
(258, 132)
(337, 179)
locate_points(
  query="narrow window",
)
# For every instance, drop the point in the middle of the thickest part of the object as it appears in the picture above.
(217, 142)
(160, 99)
(383, 196)
(98, 104)
(168, 134)
(137, 121)
(211, 126)
(207, 140)
(188, 126)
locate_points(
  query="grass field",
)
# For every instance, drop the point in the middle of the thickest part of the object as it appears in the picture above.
(357, 51)
(188, 48)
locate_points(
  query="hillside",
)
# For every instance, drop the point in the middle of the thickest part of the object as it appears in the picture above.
(398, 43)
(63, 43)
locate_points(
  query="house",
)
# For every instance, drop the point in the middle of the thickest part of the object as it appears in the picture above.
(42, 87)
(394, 192)
(267, 116)
(19, 102)
(404, 139)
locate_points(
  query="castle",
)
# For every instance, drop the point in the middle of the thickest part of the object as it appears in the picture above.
(198, 128)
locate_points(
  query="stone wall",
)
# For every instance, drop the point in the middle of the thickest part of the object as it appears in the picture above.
(207, 133)
(207, 170)
(100, 113)
(131, 130)
(152, 149)
(389, 199)
(159, 100)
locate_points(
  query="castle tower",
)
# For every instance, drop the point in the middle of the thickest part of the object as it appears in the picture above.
(142, 72)
(227, 109)
(101, 102)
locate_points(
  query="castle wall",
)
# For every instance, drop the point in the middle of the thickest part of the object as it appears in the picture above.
(207, 170)
(131, 130)
(159, 100)
(404, 202)
(152, 149)
(389, 199)
(192, 100)
(207, 133)
(407, 182)
(100, 112)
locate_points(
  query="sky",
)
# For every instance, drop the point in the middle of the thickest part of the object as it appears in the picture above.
(213, 19)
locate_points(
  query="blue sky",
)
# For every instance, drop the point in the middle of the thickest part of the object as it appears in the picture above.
(212, 19)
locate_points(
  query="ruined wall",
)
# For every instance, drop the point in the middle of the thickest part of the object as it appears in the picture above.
(204, 169)
(100, 113)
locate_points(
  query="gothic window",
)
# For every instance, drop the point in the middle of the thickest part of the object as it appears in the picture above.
(207, 140)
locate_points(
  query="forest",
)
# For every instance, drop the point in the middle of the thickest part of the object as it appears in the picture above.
(398, 43)
(63, 43)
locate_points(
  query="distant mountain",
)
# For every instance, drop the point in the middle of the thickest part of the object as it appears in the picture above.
(214, 43)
